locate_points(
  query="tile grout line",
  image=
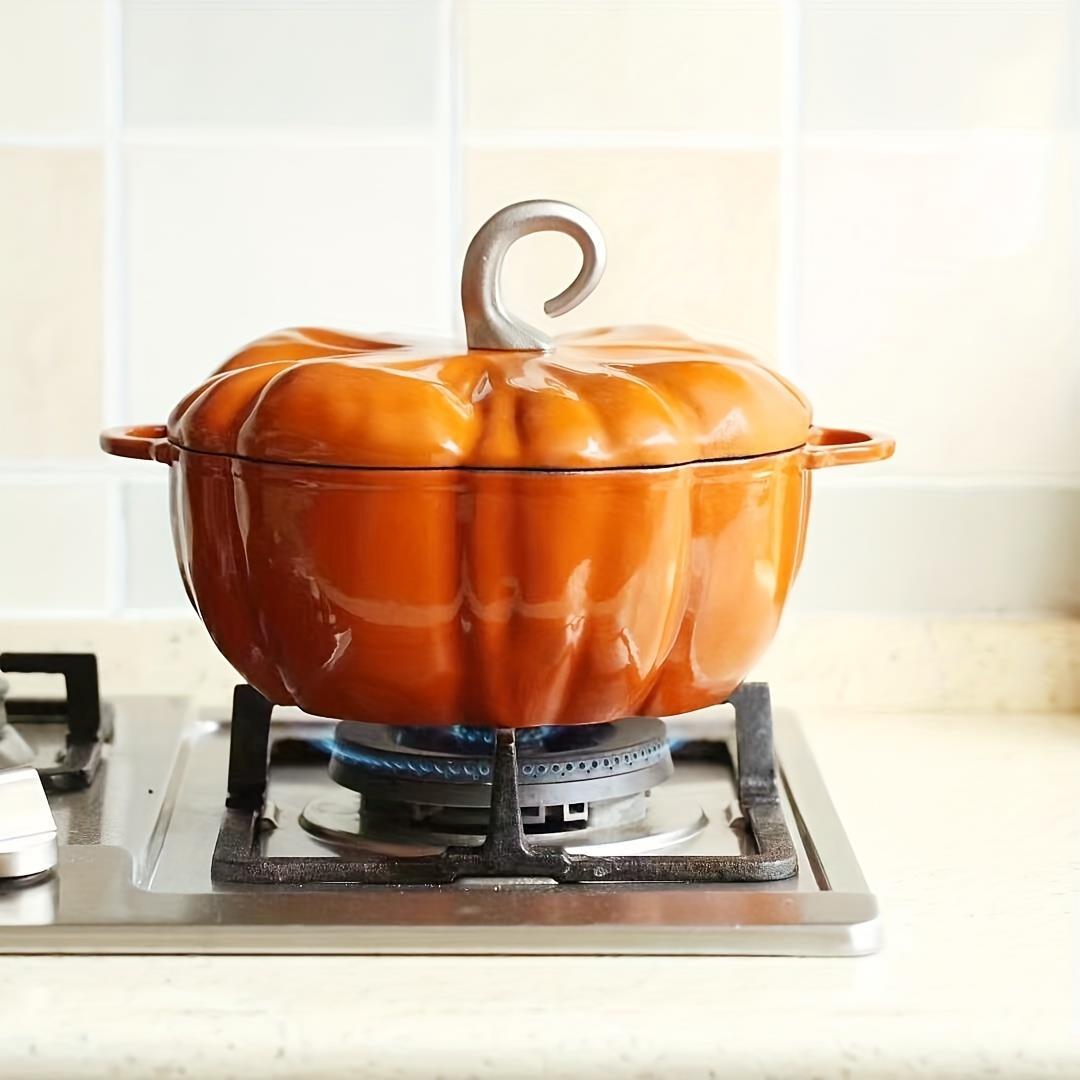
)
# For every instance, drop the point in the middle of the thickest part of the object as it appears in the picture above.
(114, 357)
(540, 139)
(452, 93)
(790, 210)
(870, 139)
(89, 140)
(1073, 149)
(232, 138)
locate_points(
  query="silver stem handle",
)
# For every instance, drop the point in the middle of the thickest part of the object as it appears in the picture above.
(488, 325)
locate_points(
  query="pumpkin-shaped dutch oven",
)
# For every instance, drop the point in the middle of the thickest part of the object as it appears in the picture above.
(522, 532)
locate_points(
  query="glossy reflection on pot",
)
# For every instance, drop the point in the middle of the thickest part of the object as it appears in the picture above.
(488, 597)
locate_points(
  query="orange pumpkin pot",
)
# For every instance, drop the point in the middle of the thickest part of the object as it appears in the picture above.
(506, 536)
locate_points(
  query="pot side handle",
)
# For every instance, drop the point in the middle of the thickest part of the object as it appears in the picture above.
(837, 446)
(146, 442)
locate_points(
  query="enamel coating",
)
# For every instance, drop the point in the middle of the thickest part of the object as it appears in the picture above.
(505, 599)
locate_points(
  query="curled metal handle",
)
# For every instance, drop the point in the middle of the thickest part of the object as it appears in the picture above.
(488, 325)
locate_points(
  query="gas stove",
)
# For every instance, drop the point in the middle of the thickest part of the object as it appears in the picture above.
(143, 825)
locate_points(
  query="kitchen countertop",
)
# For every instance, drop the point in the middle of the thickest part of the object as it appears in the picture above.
(966, 825)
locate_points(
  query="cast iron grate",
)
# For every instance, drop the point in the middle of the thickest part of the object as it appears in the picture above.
(506, 852)
(88, 722)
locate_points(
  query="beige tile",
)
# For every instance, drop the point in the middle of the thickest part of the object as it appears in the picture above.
(53, 546)
(260, 64)
(708, 67)
(229, 243)
(691, 235)
(50, 302)
(966, 63)
(938, 302)
(51, 66)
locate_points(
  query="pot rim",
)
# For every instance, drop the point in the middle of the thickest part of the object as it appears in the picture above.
(537, 469)
(823, 447)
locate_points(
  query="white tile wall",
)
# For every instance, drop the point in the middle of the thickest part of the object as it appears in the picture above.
(977, 549)
(52, 63)
(54, 545)
(926, 65)
(275, 64)
(151, 579)
(937, 287)
(226, 243)
(882, 193)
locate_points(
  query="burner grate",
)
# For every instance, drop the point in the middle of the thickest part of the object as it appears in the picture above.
(88, 722)
(506, 851)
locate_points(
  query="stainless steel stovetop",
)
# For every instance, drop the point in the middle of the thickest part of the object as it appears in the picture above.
(136, 845)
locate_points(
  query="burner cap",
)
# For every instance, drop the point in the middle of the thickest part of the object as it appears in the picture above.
(452, 766)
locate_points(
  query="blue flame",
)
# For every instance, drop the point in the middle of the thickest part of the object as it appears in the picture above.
(464, 754)
(406, 766)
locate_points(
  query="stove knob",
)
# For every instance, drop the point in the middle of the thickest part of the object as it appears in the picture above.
(27, 827)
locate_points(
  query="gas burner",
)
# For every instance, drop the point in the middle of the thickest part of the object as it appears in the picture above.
(557, 767)
(580, 788)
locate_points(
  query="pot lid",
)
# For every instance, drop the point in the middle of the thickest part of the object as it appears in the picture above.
(617, 397)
